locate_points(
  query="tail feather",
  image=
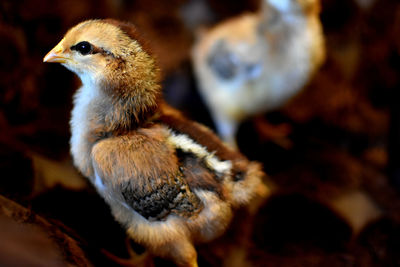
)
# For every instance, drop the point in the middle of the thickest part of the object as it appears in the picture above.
(251, 190)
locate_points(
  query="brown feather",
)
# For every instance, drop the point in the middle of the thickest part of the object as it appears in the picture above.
(197, 132)
(132, 31)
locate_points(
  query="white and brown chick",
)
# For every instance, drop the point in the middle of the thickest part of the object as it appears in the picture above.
(170, 181)
(256, 62)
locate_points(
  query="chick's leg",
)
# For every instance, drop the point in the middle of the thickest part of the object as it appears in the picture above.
(226, 129)
(182, 252)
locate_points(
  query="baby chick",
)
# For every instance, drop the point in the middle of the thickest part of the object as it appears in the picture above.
(170, 181)
(257, 62)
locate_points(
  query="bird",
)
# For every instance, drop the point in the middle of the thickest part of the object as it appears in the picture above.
(256, 62)
(171, 182)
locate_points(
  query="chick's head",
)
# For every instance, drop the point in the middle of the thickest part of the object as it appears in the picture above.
(107, 53)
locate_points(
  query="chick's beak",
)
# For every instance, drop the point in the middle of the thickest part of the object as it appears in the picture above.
(56, 55)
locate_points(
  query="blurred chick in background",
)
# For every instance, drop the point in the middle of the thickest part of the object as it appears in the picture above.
(256, 62)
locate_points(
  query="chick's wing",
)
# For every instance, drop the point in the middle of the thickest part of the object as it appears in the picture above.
(142, 171)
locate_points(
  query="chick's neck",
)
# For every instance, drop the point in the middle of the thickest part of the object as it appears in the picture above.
(121, 113)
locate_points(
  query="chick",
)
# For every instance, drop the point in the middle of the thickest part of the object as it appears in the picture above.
(258, 61)
(170, 181)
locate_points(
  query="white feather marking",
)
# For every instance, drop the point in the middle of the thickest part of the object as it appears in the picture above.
(80, 121)
(219, 166)
(183, 142)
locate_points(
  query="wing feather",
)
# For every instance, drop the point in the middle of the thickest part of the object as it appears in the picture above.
(143, 170)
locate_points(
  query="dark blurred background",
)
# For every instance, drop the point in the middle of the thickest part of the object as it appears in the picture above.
(337, 187)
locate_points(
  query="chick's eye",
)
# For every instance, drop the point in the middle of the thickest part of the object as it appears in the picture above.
(84, 48)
